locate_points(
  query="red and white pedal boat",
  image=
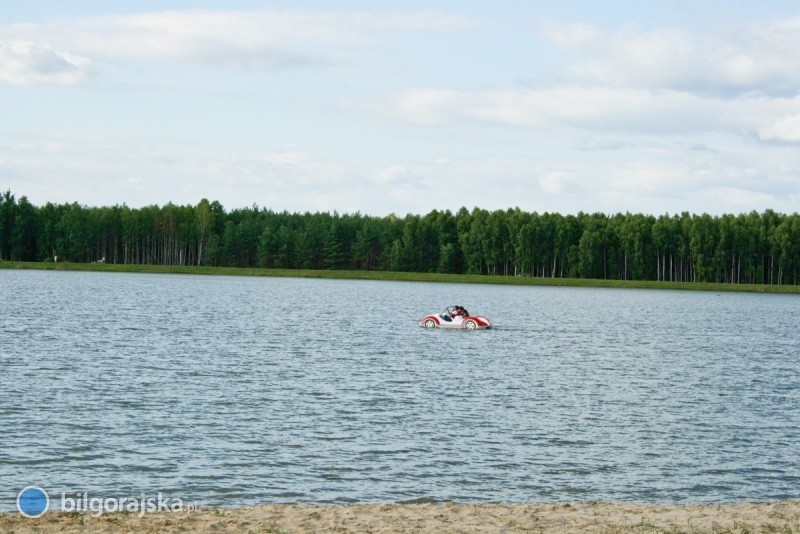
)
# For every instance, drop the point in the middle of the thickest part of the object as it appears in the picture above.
(456, 317)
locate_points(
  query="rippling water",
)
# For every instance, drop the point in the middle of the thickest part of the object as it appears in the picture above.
(229, 391)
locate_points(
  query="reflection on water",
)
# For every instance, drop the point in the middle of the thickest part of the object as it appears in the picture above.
(230, 391)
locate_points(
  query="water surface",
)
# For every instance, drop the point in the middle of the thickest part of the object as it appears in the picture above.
(229, 391)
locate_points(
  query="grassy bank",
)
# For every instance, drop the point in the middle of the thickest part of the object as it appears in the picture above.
(397, 276)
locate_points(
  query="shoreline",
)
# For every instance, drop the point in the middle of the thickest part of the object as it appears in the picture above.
(783, 516)
(403, 277)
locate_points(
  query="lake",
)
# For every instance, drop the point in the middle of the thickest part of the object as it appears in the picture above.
(230, 391)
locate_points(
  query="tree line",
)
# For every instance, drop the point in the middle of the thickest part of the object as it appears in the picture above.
(761, 248)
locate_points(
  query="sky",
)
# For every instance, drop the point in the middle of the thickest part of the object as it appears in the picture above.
(404, 107)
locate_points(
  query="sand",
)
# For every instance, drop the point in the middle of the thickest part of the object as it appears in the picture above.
(566, 517)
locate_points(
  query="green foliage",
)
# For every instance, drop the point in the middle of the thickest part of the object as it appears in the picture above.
(749, 248)
(354, 274)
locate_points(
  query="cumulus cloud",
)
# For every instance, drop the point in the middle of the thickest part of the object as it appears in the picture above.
(397, 174)
(263, 39)
(562, 107)
(102, 170)
(28, 63)
(425, 106)
(647, 120)
(763, 57)
(570, 36)
(558, 182)
(652, 177)
(630, 81)
(785, 129)
(673, 182)
(603, 110)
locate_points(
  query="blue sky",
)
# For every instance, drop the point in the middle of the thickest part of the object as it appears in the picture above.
(404, 106)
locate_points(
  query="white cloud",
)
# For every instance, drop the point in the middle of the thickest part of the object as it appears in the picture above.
(738, 199)
(103, 170)
(644, 120)
(575, 36)
(650, 177)
(402, 176)
(673, 183)
(761, 57)
(603, 111)
(263, 39)
(278, 159)
(425, 107)
(558, 183)
(27, 63)
(786, 129)
(561, 107)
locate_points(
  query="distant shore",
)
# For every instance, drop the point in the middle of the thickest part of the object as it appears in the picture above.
(562, 517)
(399, 276)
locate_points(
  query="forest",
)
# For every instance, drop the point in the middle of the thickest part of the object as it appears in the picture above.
(752, 248)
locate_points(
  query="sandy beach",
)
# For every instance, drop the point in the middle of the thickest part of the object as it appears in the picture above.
(565, 517)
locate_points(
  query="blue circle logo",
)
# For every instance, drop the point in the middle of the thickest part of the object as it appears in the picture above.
(32, 501)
